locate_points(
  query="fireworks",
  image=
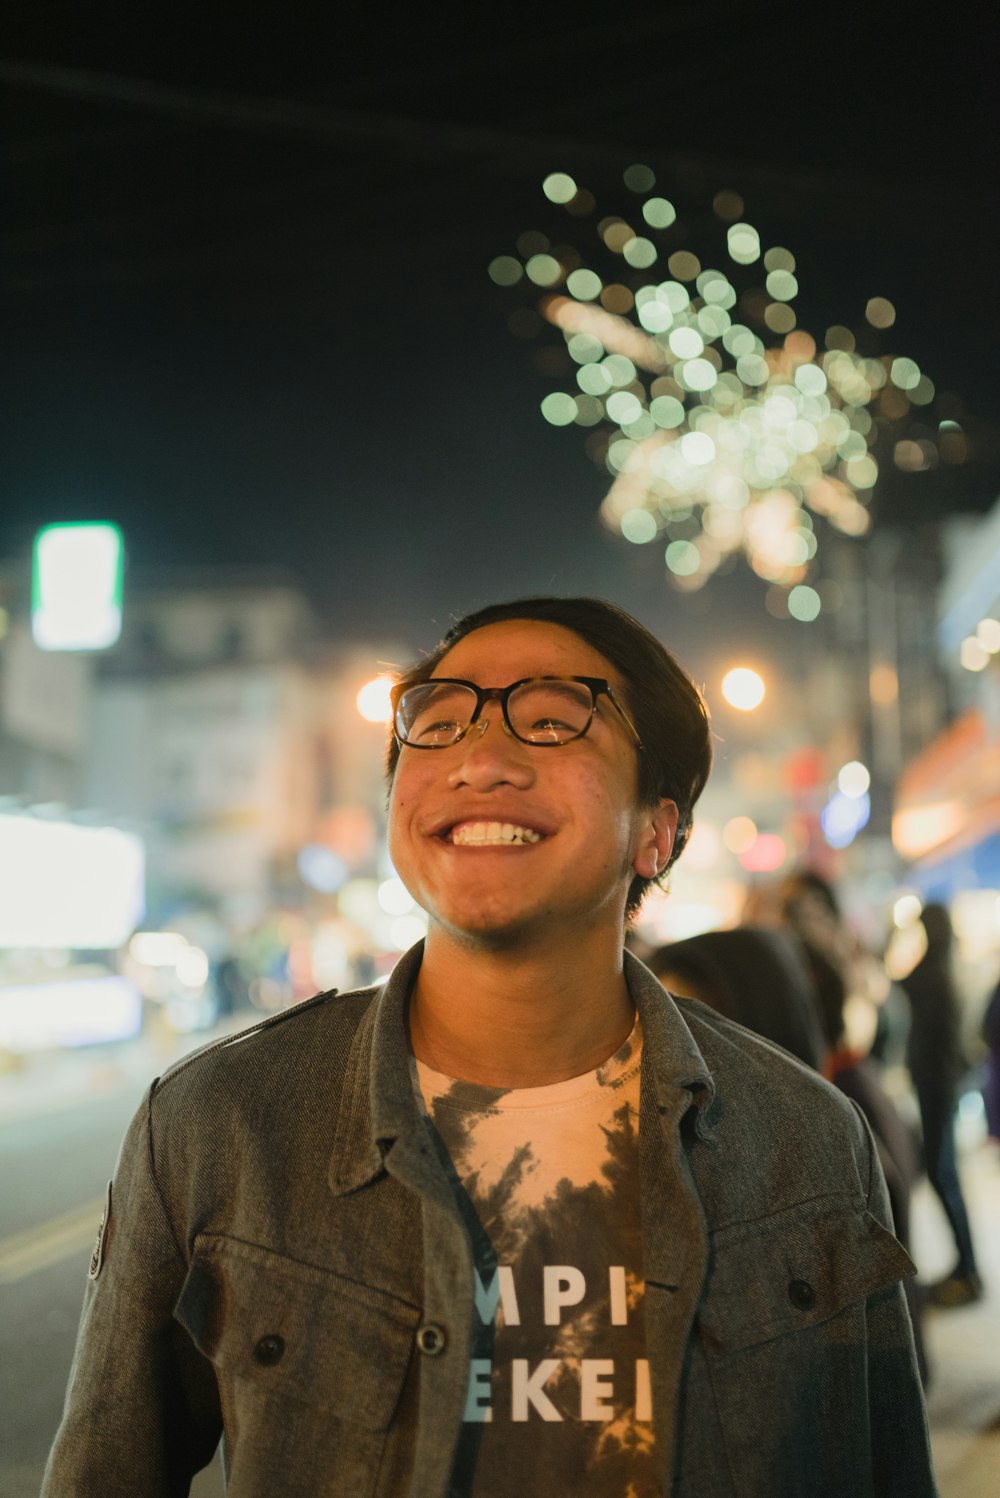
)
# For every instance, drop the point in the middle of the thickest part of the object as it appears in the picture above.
(723, 425)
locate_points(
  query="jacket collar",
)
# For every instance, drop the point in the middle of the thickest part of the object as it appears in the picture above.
(675, 1066)
(377, 1104)
(378, 1107)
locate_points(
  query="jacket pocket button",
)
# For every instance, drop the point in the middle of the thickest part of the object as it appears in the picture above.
(802, 1295)
(431, 1339)
(270, 1350)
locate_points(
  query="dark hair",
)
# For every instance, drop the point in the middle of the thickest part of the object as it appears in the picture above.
(758, 977)
(664, 704)
(808, 882)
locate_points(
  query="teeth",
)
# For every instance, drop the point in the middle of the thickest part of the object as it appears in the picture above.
(479, 833)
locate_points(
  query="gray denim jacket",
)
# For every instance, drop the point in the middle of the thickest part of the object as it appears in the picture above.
(284, 1266)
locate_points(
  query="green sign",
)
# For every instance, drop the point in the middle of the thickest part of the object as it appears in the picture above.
(76, 586)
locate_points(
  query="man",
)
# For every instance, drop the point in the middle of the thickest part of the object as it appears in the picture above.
(517, 1223)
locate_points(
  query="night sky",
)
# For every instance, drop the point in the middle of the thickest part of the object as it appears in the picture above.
(244, 287)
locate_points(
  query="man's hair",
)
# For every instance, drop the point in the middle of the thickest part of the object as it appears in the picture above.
(662, 701)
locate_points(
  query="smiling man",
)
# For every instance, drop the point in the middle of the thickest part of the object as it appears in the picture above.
(518, 1222)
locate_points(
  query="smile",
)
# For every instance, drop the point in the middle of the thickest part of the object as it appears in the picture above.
(491, 834)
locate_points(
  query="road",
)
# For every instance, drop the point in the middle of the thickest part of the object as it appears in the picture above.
(58, 1144)
(59, 1135)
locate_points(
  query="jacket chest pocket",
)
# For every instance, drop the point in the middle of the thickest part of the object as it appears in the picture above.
(784, 1339)
(310, 1366)
(795, 1270)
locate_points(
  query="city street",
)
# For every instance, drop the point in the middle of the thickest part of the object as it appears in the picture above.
(59, 1132)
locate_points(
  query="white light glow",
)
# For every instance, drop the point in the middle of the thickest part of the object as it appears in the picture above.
(78, 595)
(75, 888)
(157, 948)
(854, 779)
(407, 929)
(905, 910)
(373, 702)
(973, 654)
(192, 967)
(82, 1011)
(743, 689)
(988, 634)
(394, 897)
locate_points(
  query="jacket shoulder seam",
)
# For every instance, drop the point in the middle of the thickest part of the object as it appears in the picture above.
(270, 1023)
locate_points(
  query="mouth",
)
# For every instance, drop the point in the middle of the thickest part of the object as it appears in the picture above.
(490, 835)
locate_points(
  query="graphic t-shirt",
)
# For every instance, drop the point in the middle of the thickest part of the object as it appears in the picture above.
(547, 1179)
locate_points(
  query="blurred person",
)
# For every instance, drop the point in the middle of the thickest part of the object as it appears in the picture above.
(806, 903)
(757, 977)
(934, 1057)
(991, 1086)
(516, 1220)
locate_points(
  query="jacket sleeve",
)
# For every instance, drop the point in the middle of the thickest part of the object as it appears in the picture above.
(141, 1413)
(900, 1443)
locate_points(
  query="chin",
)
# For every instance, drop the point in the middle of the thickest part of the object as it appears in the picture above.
(488, 934)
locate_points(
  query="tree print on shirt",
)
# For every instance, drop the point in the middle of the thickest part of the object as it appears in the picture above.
(559, 1259)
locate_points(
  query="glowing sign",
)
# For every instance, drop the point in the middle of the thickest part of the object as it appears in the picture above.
(67, 887)
(80, 1011)
(76, 588)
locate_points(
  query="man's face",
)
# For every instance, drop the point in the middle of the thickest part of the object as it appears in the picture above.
(584, 834)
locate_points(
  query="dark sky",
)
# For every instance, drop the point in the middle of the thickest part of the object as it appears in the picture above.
(244, 283)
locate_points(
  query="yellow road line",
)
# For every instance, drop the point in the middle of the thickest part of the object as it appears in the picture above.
(37, 1248)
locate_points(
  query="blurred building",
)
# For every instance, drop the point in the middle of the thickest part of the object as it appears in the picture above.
(226, 728)
(209, 778)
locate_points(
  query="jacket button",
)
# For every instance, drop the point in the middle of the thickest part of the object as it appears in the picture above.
(270, 1350)
(802, 1295)
(431, 1339)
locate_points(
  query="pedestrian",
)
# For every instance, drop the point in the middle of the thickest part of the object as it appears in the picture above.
(991, 1084)
(934, 1057)
(756, 976)
(514, 1222)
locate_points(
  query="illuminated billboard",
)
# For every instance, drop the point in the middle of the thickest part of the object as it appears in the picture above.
(76, 586)
(70, 888)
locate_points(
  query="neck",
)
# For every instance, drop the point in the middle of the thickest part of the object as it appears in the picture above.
(522, 1017)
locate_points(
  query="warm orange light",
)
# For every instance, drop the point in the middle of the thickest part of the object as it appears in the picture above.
(743, 689)
(922, 828)
(373, 700)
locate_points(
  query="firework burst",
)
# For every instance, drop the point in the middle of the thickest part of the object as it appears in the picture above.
(724, 426)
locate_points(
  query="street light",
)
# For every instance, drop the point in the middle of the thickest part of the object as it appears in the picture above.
(373, 702)
(743, 689)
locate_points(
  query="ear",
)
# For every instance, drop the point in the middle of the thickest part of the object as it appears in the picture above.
(655, 839)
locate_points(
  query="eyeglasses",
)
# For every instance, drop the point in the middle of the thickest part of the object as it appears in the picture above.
(545, 711)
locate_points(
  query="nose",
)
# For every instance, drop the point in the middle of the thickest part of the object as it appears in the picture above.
(486, 760)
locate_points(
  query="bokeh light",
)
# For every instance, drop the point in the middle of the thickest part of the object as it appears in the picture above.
(559, 187)
(853, 778)
(724, 426)
(373, 701)
(743, 688)
(739, 834)
(639, 178)
(988, 634)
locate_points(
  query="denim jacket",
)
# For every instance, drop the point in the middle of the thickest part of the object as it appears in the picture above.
(284, 1266)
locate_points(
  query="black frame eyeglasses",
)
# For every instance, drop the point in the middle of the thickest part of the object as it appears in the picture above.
(409, 703)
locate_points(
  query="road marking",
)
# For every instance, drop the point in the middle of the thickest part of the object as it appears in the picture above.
(49, 1243)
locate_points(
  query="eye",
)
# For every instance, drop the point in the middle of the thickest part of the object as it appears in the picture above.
(440, 731)
(551, 724)
(435, 714)
(550, 711)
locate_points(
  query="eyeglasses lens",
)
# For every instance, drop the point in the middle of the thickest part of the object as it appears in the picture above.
(540, 712)
(550, 712)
